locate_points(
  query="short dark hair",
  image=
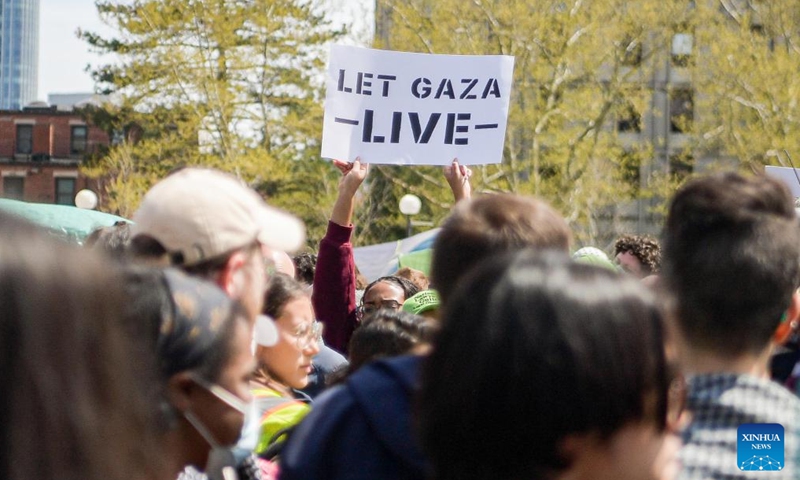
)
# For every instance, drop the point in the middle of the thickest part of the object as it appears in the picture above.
(112, 241)
(644, 247)
(731, 260)
(491, 224)
(534, 348)
(387, 333)
(281, 290)
(407, 286)
(304, 266)
(417, 277)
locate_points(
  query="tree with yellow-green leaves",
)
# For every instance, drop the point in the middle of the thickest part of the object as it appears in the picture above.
(232, 84)
(746, 76)
(237, 84)
(586, 70)
(581, 67)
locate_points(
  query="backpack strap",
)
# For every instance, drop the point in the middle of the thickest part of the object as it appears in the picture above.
(267, 405)
(276, 443)
(277, 416)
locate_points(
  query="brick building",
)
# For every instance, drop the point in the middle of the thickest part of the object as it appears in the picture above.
(41, 149)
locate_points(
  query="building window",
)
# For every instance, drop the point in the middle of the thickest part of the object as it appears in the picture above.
(117, 137)
(25, 139)
(629, 120)
(681, 166)
(65, 191)
(681, 110)
(77, 141)
(630, 165)
(14, 187)
(682, 44)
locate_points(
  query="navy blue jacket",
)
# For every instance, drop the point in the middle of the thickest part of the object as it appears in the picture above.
(360, 430)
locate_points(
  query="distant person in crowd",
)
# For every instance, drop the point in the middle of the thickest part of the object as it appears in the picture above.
(361, 284)
(492, 224)
(200, 339)
(383, 334)
(389, 333)
(732, 264)
(389, 292)
(212, 226)
(305, 264)
(112, 241)
(280, 262)
(361, 281)
(284, 368)
(547, 369)
(334, 290)
(639, 255)
(327, 361)
(71, 402)
(362, 429)
(335, 277)
(417, 277)
(336, 270)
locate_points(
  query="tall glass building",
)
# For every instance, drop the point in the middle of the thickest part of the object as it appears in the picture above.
(19, 52)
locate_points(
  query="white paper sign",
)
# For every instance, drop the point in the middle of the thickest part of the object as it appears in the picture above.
(415, 109)
(788, 175)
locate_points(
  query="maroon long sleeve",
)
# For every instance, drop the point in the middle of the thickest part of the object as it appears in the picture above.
(334, 294)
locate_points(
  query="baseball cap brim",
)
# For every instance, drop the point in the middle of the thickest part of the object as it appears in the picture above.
(280, 230)
(197, 214)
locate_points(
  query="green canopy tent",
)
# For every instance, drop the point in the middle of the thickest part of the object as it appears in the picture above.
(69, 223)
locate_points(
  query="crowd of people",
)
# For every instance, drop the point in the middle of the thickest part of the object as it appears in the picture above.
(189, 344)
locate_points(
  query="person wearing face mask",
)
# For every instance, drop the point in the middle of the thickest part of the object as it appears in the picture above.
(202, 344)
(284, 368)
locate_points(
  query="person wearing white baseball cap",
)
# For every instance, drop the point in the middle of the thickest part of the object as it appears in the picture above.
(211, 225)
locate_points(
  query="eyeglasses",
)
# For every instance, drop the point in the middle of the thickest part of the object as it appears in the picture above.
(308, 333)
(368, 308)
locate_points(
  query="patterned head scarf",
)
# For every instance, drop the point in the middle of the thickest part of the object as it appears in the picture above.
(189, 332)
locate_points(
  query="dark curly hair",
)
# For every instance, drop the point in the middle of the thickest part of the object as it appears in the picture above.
(304, 265)
(644, 247)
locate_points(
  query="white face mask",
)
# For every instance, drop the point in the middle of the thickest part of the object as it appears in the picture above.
(252, 428)
(223, 395)
(221, 463)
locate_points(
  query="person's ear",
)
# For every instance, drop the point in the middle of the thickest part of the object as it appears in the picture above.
(232, 278)
(180, 388)
(790, 323)
(579, 452)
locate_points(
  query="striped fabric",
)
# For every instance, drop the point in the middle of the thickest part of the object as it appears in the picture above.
(718, 404)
